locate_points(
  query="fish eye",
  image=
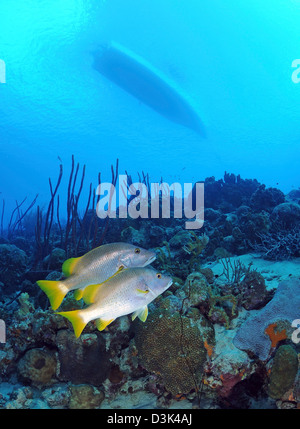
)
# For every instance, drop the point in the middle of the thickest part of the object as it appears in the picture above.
(137, 250)
(158, 275)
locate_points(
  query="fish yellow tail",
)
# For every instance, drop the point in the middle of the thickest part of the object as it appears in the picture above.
(55, 290)
(75, 318)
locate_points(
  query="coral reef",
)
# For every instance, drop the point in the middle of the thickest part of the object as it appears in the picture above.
(83, 360)
(287, 214)
(254, 293)
(228, 365)
(198, 293)
(55, 259)
(217, 338)
(229, 192)
(38, 366)
(279, 245)
(13, 264)
(178, 358)
(283, 372)
(284, 306)
(266, 198)
(195, 247)
(85, 396)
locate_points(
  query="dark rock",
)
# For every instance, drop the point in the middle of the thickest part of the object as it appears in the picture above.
(82, 360)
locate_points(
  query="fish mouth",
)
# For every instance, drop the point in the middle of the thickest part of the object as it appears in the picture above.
(169, 284)
(150, 260)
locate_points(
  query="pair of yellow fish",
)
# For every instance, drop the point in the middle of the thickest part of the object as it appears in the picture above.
(113, 279)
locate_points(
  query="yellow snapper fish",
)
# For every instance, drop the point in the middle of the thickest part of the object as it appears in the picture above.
(94, 267)
(129, 292)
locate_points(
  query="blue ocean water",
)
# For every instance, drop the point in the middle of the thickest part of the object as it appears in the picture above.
(233, 58)
(225, 322)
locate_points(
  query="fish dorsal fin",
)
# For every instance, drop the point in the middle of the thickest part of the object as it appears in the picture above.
(69, 265)
(89, 293)
(141, 313)
(101, 324)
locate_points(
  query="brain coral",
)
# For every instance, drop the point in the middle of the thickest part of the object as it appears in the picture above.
(171, 346)
(285, 305)
(38, 366)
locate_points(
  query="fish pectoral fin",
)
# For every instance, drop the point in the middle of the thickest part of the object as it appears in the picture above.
(141, 313)
(101, 324)
(121, 268)
(69, 265)
(78, 294)
(142, 291)
(89, 293)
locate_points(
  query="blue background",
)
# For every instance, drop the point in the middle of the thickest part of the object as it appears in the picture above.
(232, 57)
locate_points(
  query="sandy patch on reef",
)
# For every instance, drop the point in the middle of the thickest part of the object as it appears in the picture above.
(273, 272)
